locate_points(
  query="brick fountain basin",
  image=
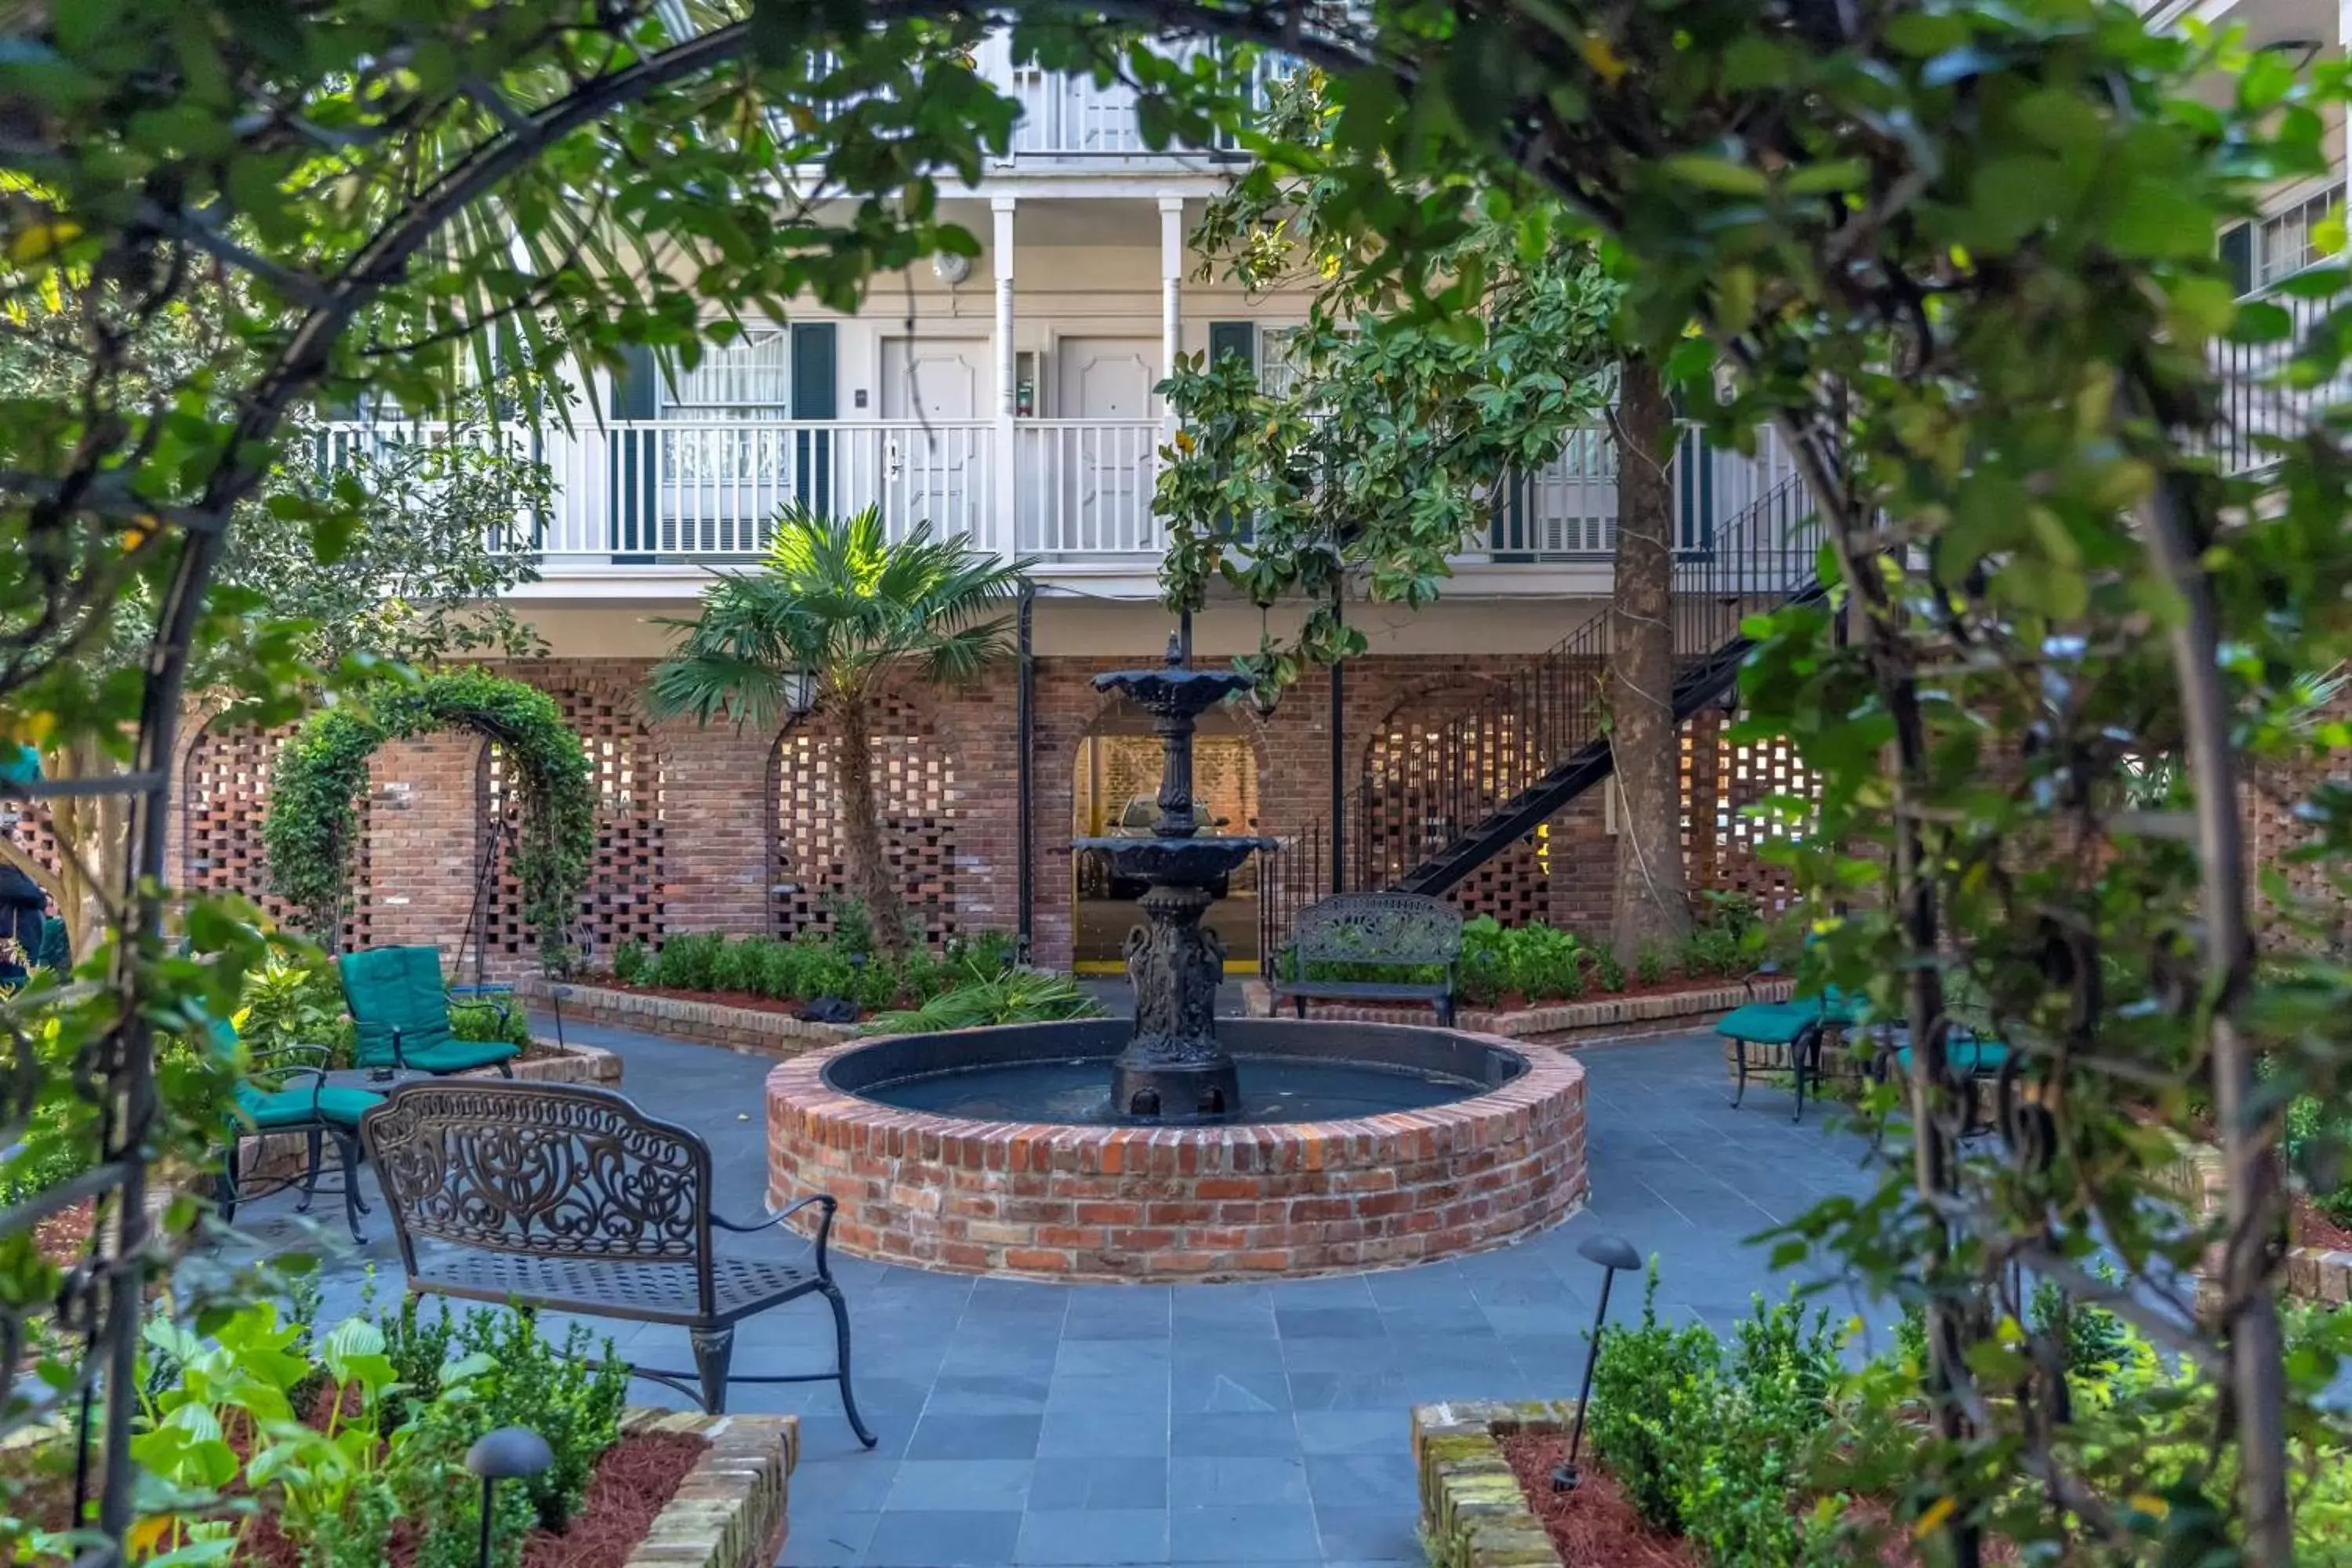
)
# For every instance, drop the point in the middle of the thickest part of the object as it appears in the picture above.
(1490, 1150)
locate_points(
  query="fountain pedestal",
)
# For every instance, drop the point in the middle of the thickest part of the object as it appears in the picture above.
(1172, 1069)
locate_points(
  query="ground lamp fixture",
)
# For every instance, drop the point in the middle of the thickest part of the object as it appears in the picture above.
(1612, 1253)
(508, 1454)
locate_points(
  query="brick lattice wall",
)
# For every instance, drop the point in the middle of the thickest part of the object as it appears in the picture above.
(624, 898)
(719, 827)
(914, 775)
(224, 796)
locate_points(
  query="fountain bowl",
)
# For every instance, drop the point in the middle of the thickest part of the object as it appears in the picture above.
(990, 1150)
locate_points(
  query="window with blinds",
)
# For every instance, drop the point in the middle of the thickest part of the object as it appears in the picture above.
(748, 379)
(2284, 244)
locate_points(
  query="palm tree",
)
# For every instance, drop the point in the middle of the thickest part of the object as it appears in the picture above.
(836, 614)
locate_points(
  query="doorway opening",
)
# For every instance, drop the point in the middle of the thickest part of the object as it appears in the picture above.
(1116, 794)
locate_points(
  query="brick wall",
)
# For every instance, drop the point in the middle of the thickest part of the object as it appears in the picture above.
(720, 827)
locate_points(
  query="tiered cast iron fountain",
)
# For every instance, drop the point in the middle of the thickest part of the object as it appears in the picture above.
(1174, 1070)
(1099, 1150)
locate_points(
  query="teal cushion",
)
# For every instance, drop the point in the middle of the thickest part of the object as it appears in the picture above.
(294, 1105)
(1982, 1058)
(389, 988)
(458, 1055)
(1769, 1023)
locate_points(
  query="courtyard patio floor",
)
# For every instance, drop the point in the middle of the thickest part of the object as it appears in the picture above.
(1262, 1424)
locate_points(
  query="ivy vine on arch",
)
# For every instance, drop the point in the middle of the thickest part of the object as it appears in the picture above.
(313, 814)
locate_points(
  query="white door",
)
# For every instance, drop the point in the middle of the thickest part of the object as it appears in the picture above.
(1105, 456)
(933, 474)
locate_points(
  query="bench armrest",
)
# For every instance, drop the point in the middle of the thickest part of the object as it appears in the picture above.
(823, 1230)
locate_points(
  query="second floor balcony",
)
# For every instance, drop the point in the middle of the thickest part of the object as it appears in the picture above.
(654, 500)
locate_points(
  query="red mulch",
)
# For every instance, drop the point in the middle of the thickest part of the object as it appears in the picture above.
(63, 1238)
(2311, 1227)
(1594, 1525)
(633, 1481)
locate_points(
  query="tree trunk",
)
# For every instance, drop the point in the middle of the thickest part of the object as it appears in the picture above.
(868, 868)
(1651, 906)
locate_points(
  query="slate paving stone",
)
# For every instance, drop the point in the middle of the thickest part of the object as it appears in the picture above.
(942, 1435)
(1231, 1393)
(1350, 1431)
(1083, 1483)
(1200, 1481)
(826, 1540)
(943, 1539)
(1377, 1532)
(1219, 1435)
(1243, 1534)
(993, 1486)
(1329, 1323)
(1139, 1433)
(843, 1486)
(1095, 1537)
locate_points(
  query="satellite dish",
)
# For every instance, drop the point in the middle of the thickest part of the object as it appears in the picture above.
(950, 269)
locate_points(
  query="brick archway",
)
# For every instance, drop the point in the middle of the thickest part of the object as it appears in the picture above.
(916, 787)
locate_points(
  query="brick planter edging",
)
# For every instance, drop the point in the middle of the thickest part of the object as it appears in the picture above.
(729, 1511)
(752, 1030)
(2313, 1273)
(1558, 1023)
(1473, 1513)
(1279, 1200)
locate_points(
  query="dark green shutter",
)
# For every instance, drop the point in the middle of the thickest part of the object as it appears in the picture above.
(2237, 257)
(815, 396)
(1697, 489)
(1235, 338)
(637, 386)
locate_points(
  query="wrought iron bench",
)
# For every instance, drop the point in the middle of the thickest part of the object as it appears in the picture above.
(571, 1199)
(1375, 931)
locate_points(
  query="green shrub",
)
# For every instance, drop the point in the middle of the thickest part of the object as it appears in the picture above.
(989, 952)
(981, 998)
(1643, 1376)
(853, 923)
(1485, 962)
(2099, 1345)
(1609, 971)
(685, 963)
(1541, 963)
(630, 962)
(487, 1021)
(1650, 964)
(2316, 1146)
(738, 965)
(1713, 951)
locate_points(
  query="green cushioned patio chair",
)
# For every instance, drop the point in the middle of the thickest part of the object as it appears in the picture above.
(1802, 1024)
(400, 1012)
(286, 1089)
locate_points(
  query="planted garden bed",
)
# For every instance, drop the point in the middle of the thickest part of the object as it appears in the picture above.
(781, 998)
(1770, 1449)
(288, 1448)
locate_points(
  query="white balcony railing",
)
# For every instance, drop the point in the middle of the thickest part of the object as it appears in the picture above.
(635, 493)
(1071, 116)
(1083, 487)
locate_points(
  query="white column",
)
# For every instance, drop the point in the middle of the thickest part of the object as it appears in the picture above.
(1003, 525)
(1172, 281)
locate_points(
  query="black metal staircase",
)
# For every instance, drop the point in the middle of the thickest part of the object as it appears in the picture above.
(1458, 795)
